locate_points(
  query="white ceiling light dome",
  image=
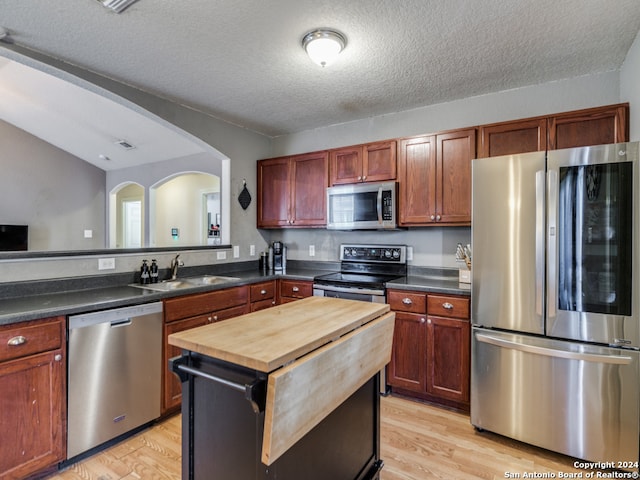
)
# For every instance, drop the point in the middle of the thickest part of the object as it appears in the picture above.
(324, 45)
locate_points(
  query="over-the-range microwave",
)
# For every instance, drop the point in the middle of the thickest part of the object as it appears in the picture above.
(362, 206)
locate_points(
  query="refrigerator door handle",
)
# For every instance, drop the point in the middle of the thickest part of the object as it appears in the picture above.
(552, 352)
(540, 214)
(552, 243)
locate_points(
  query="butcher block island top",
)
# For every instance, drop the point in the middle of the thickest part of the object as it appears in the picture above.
(269, 339)
(316, 353)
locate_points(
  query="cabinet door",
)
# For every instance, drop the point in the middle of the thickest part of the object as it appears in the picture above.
(407, 368)
(295, 289)
(509, 138)
(596, 126)
(448, 358)
(346, 165)
(417, 178)
(274, 193)
(310, 178)
(172, 386)
(32, 413)
(455, 151)
(379, 162)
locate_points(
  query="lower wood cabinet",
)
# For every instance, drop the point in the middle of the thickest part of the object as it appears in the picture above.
(291, 290)
(430, 357)
(32, 397)
(191, 311)
(263, 295)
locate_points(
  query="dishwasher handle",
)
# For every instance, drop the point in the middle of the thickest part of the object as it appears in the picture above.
(114, 316)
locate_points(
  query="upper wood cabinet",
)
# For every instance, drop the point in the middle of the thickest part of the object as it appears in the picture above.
(580, 128)
(374, 162)
(595, 126)
(509, 138)
(434, 174)
(291, 191)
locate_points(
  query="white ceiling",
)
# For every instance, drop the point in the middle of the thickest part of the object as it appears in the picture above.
(242, 61)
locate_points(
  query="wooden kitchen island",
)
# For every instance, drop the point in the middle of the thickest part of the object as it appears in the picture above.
(289, 392)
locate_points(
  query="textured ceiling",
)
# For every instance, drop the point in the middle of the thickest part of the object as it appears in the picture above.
(241, 60)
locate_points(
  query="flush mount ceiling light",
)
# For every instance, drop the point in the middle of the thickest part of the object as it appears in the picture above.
(117, 5)
(324, 45)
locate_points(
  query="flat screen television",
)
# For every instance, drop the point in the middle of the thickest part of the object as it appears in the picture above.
(14, 238)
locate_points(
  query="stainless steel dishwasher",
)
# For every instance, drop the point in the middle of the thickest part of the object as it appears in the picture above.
(115, 368)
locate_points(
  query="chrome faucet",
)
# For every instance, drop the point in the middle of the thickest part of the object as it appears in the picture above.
(175, 263)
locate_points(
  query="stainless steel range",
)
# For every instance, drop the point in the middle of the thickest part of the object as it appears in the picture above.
(364, 271)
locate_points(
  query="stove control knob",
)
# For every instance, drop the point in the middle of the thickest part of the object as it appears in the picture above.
(387, 253)
(396, 253)
(354, 252)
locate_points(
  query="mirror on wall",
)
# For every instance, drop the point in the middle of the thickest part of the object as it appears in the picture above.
(84, 167)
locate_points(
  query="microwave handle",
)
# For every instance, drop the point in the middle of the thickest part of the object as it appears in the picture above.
(379, 205)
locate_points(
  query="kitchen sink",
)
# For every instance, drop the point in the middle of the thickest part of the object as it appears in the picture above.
(187, 282)
(210, 280)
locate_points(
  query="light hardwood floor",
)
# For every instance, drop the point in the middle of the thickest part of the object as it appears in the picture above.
(418, 442)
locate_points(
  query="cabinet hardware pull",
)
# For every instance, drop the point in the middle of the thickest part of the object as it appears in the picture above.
(57, 357)
(438, 217)
(429, 321)
(447, 305)
(295, 289)
(422, 320)
(15, 341)
(263, 292)
(364, 178)
(407, 301)
(215, 318)
(433, 217)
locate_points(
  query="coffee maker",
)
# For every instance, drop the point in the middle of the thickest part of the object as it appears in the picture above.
(278, 257)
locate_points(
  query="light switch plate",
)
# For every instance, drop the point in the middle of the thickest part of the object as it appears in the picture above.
(221, 255)
(312, 250)
(236, 251)
(252, 250)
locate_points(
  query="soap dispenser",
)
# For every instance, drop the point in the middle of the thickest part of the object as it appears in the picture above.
(144, 273)
(154, 271)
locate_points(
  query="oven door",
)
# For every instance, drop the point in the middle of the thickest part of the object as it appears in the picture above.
(349, 293)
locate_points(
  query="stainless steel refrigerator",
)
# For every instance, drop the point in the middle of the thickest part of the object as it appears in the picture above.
(554, 299)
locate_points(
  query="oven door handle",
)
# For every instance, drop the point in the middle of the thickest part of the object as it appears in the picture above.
(363, 291)
(379, 205)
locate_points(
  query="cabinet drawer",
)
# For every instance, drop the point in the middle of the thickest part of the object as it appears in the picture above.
(445, 306)
(204, 303)
(402, 301)
(295, 289)
(27, 338)
(262, 291)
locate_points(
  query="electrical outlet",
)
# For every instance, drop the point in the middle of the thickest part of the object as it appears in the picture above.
(252, 250)
(106, 263)
(312, 250)
(409, 254)
(88, 234)
(236, 251)
(221, 255)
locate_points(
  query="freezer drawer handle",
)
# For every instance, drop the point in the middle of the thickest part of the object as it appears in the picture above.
(552, 352)
(15, 341)
(447, 305)
(255, 392)
(407, 301)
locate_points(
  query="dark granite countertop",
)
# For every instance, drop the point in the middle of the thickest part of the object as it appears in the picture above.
(25, 306)
(431, 284)
(34, 300)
